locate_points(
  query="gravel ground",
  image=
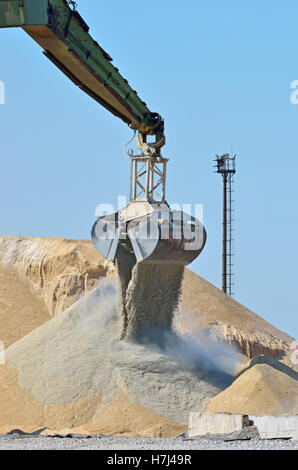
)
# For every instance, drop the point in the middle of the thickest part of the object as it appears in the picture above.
(17, 442)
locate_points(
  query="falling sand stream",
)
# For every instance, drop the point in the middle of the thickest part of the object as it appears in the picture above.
(149, 294)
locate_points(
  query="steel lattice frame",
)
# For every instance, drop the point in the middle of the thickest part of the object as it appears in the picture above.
(148, 178)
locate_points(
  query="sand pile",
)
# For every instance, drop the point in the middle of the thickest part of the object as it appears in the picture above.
(73, 371)
(264, 387)
(20, 310)
(61, 271)
(230, 321)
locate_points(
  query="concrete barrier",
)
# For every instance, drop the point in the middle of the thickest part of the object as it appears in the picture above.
(271, 427)
(201, 424)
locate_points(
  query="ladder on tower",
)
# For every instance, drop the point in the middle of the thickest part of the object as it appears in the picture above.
(226, 166)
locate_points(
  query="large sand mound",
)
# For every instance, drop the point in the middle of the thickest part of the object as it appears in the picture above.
(264, 387)
(61, 271)
(74, 372)
(20, 310)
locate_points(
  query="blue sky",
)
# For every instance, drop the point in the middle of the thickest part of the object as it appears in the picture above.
(220, 74)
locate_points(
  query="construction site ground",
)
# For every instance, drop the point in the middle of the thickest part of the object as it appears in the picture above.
(130, 443)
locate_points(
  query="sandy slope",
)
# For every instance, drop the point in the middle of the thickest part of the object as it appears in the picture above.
(61, 271)
(264, 387)
(73, 374)
(20, 310)
(73, 371)
(231, 321)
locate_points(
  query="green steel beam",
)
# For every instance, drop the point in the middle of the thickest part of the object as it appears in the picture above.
(65, 38)
(23, 12)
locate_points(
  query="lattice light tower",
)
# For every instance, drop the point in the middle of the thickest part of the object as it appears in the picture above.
(226, 166)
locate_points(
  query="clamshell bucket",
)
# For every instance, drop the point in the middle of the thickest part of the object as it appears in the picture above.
(160, 236)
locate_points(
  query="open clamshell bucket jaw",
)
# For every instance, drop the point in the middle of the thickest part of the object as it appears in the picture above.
(148, 228)
(160, 236)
